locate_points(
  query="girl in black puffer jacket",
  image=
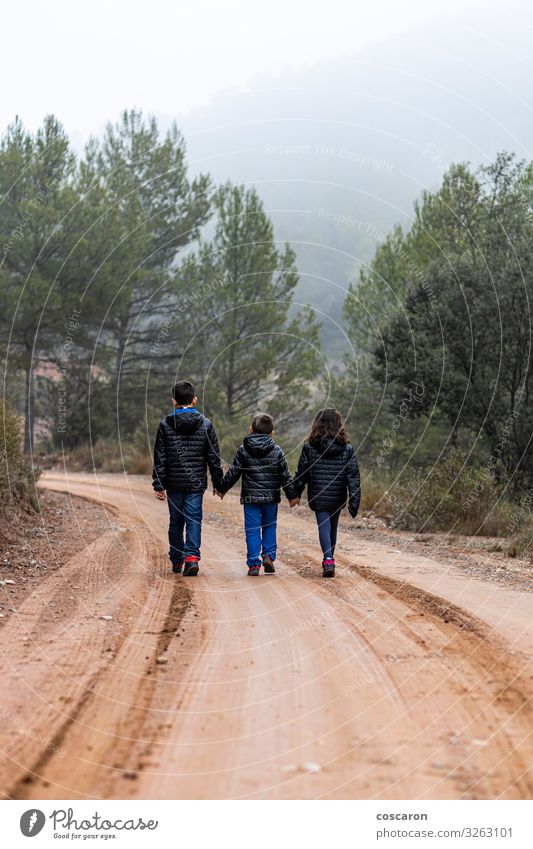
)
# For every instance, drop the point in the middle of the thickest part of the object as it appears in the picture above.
(328, 467)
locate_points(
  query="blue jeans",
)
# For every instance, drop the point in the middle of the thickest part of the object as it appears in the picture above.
(260, 522)
(185, 510)
(327, 531)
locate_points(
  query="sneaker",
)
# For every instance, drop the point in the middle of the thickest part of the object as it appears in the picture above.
(268, 564)
(190, 567)
(328, 568)
(253, 570)
(177, 567)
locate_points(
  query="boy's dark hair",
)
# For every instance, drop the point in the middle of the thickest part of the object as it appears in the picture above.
(328, 424)
(263, 423)
(183, 392)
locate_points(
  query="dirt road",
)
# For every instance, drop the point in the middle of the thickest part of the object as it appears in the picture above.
(402, 678)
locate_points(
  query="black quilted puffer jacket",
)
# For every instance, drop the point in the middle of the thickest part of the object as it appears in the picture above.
(331, 473)
(263, 467)
(185, 446)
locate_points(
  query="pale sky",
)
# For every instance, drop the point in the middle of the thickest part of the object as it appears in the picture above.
(85, 62)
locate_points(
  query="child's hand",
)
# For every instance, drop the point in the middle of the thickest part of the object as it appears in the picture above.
(293, 502)
(160, 494)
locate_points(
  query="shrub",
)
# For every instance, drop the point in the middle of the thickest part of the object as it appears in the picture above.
(374, 496)
(17, 475)
(521, 543)
(450, 496)
(138, 453)
(102, 455)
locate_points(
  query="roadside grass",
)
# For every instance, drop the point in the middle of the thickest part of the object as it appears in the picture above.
(104, 456)
(448, 496)
(521, 543)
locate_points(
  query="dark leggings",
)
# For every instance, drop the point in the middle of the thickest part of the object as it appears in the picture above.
(327, 531)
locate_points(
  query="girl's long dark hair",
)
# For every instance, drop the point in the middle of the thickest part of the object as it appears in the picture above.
(328, 424)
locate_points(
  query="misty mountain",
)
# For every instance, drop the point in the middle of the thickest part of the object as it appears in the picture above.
(339, 152)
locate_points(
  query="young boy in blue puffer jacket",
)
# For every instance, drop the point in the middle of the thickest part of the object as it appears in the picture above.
(261, 464)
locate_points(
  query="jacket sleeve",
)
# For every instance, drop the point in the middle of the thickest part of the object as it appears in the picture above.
(354, 485)
(285, 477)
(160, 461)
(213, 457)
(234, 472)
(301, 479)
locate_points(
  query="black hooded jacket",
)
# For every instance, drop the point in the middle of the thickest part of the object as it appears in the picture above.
(185, 445)
(331, 472)
(263, 467)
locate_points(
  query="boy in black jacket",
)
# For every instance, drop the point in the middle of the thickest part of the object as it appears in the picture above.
(185, 446)
(263, 467)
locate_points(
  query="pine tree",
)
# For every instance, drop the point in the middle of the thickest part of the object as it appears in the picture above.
(464, 329)
(146, 210)
(37, 234)
(246, 344)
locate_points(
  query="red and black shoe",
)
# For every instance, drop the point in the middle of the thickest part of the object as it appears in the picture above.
(177, 567)
(328, 568)
(268, 564)
(254, 570)
(190, 566)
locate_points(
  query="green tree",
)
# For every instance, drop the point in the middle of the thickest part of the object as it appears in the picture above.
(248, 347)
(446, 225)
(145, 210)
(464, 331)
(37, 234)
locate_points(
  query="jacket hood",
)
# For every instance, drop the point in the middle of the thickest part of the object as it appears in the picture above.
(258, 444)
(185, 422)
(328, 448)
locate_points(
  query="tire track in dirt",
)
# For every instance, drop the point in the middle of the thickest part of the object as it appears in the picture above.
(31, 701)
(225, 686)
(101, 735)
(477, 651)
(482, 652)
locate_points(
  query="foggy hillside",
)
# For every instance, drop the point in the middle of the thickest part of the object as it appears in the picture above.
(339, 152)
